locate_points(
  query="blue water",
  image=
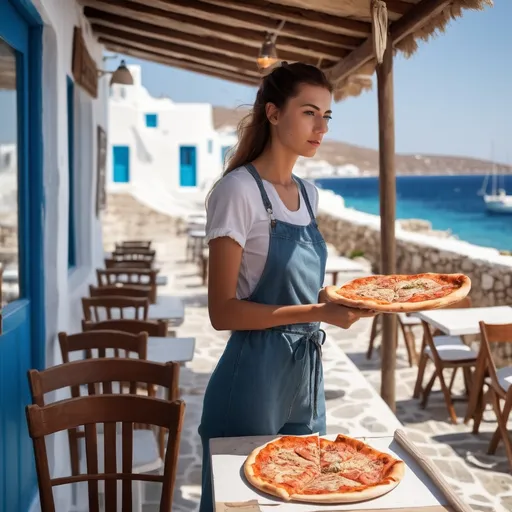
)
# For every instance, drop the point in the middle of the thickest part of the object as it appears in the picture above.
(448, 202)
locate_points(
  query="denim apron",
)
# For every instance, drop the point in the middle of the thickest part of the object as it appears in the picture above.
(270, 381)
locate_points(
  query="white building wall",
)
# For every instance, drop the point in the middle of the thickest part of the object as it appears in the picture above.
(155, 152)
(64, 288)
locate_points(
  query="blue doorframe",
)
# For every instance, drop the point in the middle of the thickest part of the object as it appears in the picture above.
(22, 342)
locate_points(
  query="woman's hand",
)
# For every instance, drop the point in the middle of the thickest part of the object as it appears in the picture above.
(342, 316)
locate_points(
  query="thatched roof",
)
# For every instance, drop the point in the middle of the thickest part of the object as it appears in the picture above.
(222, 38)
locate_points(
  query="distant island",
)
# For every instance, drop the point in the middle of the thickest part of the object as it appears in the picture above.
(339, 153)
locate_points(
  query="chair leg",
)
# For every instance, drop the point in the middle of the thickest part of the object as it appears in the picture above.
(452, 378)
(410, 345)
(479, 411)
(422, 365)
(373, 335)
(427, 390)
(502, 417)
(447, 398)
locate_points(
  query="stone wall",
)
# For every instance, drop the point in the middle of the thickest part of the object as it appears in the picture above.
(127, 219)
(491, 283)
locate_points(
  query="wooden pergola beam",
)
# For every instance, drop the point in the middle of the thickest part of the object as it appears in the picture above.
(299, 15)
(406, 25)
(172, 51)
(187, 24)
(180, 63)
(234, 17)
(130, 26)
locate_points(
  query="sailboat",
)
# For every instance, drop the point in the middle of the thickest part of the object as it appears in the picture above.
(498, 201)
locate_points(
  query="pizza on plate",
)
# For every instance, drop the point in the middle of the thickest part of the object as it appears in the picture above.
(315, 470)
(397, 293)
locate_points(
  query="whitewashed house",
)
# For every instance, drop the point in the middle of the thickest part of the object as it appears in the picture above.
(161, 143)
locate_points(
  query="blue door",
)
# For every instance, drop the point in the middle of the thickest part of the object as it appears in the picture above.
(22, 334)
(121, 164)
(188, 166)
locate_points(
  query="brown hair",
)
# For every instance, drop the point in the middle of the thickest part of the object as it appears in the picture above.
(277, 87)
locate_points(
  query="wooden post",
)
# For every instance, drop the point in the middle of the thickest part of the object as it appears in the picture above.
(387, 186)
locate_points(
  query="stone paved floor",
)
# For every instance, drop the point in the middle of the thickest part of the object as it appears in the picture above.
(353, 404)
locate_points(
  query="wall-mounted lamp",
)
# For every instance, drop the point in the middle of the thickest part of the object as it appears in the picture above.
(120, 76)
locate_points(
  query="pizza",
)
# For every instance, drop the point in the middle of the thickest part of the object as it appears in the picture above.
(397, 293)
(316, 470)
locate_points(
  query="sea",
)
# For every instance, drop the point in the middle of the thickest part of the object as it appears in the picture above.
(448, 202)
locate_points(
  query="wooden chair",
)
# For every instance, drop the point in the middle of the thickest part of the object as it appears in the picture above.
(425, 352)
(97, 343)
(114, 307)
(154, 328)
(134, 244)
(406, 324)
(121, 263)
(118, 449)
(129, 276)
(499, 384)
(108, 375)
(134, 254)
(120, 291)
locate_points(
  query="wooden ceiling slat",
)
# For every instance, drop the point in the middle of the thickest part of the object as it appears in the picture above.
(180, 63)
(130, 26)
(177, 51)
(308, 17)
(181, 23)
(407, 24)
(233, 17)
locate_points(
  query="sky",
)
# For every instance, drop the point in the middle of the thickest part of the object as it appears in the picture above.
(453, 96)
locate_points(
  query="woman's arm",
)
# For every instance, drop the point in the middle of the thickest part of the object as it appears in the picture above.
(229, 313)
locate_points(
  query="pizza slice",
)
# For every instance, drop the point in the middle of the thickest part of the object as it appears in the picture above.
(401, 293)
(284, 466)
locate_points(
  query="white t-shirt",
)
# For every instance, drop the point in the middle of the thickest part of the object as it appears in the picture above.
(236, 209)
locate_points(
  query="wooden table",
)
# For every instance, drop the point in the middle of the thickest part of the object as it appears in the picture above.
(416, 493)
(163, 350)
(463, 322)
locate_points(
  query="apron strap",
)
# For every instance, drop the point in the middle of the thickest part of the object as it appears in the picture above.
(305, 196)
(264, 196)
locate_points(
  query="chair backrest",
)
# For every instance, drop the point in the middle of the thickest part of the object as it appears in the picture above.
(105, 371)
(130, 276)
(121, 263)
(493, 333)
(114, 307)
(135, 254)
(97, 343)
(109, 410)
(124, 290)
(156, 328)
(137, 244)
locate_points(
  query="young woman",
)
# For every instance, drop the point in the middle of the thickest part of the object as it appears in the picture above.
(267, 264)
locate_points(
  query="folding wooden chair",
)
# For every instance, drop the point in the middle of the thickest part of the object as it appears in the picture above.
(110, 308)
(499, 384)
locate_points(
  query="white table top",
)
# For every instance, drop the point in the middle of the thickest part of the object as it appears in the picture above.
(197, 233)
(228, 456)
(162, 350)
(460, 322)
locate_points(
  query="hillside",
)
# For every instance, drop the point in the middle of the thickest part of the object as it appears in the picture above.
(367, 160)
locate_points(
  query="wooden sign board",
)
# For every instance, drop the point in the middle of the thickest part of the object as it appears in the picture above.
(84, 67)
